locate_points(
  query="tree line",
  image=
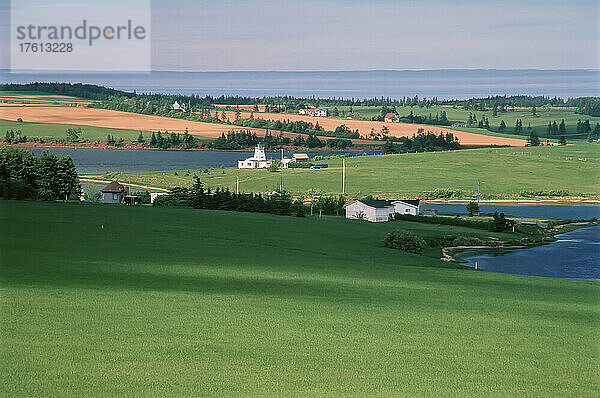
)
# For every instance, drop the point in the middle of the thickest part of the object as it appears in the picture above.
(585, 105)
(279, 202)
(47, 177)
(246, 139)
(422, 142)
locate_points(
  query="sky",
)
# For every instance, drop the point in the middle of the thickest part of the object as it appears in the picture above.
(303, 35)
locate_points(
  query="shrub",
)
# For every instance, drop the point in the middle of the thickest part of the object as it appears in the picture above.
(406, 241)
(458, 221)
(14, 189)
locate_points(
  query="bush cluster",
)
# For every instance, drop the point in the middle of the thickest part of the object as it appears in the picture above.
(404, 240)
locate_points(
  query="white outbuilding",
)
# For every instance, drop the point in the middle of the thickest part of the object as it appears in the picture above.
(258, 161)
(370, 210)
(381, 210)
(411, 207)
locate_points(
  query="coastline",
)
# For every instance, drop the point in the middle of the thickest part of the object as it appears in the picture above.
(449, 255)
(141, 147)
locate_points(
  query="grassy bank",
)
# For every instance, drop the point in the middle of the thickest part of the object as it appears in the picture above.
(163, 302)
(503, 172)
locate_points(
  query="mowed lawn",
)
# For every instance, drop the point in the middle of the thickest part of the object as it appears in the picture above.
(502, 172)
(183, 302)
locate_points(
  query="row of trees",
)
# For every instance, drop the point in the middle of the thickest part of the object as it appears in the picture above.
(247, 139)
(222, 199)
(422, 142)
(279, 202)
(48, 177)
(14, 137)
(585, 105)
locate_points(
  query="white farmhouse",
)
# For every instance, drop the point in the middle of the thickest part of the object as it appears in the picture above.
(411, 207)
(370, 210)
(258, 161)
(381, 210)
(178, 107)
(318, 112)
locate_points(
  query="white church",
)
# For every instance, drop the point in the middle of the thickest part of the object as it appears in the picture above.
(258, 161)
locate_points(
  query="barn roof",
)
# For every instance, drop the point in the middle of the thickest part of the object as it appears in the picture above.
(409, 202)
(379, 204)
(113, 187)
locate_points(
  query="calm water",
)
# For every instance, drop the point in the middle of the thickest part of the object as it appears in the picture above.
(574, 255)
(569, 212)
(443, 84)
(129, 161)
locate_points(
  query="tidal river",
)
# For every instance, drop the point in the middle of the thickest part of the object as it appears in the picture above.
(130, 161)
(575, 254)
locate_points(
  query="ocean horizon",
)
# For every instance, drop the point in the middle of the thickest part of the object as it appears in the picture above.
(359, 84)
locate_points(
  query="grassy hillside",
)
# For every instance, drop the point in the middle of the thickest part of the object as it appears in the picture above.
(502, 172)
(181, 302)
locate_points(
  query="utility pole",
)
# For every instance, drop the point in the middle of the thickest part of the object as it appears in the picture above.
(343, 176)
(237, 185)
(477, 191)
(312, 199)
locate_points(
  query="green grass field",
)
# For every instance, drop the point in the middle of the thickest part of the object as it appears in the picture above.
(183, 302)
(57, 131)
(503, 172)
(539, 122)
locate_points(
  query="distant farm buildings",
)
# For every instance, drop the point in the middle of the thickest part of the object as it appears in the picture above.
(318, 112)
(296, 157)
(381, 210)
(391, 118)
(300, 157)
(257, 161)
(180, 107)
(459, 124)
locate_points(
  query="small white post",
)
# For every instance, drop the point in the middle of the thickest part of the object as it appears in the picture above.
(475, 264)
(343, 176)
(237, 185)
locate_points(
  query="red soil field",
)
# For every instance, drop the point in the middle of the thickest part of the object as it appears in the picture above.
(122, 120)
(396, 129)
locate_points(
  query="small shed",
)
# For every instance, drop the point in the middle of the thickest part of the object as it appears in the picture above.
(370, 210)
(113, 193)
(300, 157)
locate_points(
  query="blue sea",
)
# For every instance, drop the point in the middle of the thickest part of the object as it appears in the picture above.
(443, 84)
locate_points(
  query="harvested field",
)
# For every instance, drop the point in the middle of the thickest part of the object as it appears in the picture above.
(396, 129)
(122, 120)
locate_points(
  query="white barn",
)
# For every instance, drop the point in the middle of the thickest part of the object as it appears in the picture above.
(258, 161)
(370, 210)
(381, 210)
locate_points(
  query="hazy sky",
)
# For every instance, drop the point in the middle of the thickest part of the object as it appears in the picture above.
(213, 35)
